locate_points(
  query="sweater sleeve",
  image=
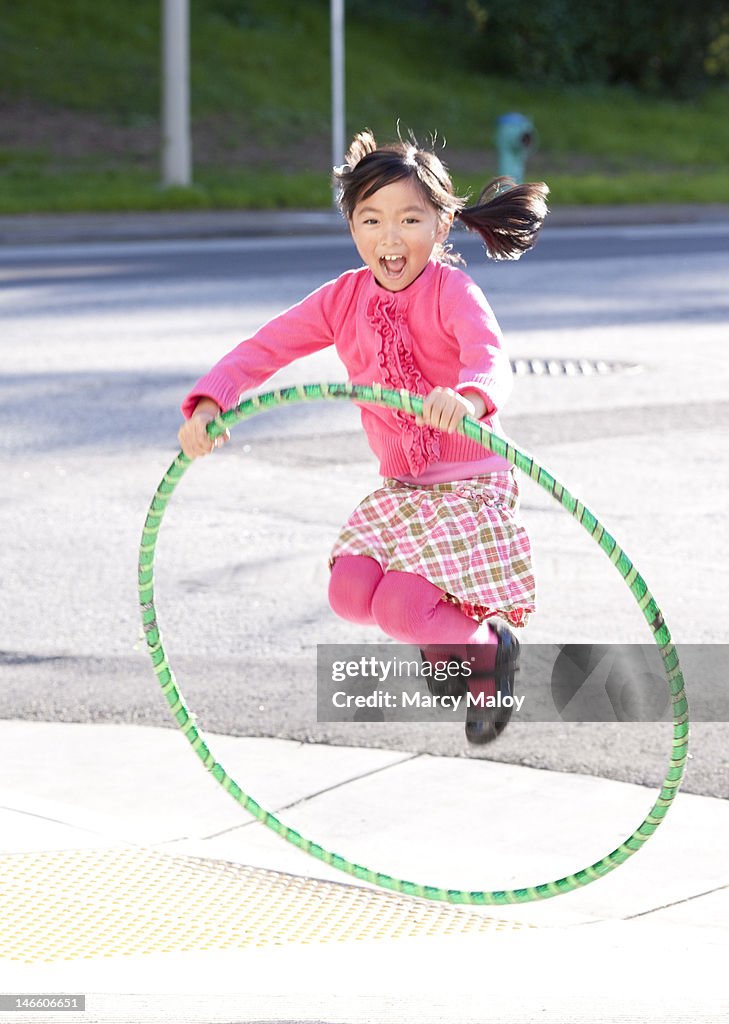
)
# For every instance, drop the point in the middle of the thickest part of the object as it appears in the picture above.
(302, 329)
(467, 316)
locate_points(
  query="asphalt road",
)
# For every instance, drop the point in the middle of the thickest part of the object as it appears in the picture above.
(327, 255)
(100, 342)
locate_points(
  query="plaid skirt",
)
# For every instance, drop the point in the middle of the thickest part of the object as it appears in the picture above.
(463, 537)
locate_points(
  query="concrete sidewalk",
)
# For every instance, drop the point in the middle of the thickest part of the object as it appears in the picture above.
(130, 876)
(62, 228)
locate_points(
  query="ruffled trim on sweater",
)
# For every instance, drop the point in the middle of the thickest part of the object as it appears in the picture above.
(386, 315)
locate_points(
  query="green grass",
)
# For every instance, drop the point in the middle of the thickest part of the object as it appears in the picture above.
(627, 187)
(131, 189)
(260, 89)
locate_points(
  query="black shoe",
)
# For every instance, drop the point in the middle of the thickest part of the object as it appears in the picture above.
(483, 725)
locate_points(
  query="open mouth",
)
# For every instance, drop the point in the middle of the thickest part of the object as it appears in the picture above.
(392, 266)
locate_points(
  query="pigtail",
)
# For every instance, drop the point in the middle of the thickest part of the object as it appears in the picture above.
(507, 216)
(362, 144)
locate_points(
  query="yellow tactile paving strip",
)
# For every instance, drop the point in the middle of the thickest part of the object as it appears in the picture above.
(81, 904)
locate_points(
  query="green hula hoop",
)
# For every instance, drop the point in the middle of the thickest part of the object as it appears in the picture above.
(412, 404)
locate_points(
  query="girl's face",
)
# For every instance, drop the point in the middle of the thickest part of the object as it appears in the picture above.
(395, 231)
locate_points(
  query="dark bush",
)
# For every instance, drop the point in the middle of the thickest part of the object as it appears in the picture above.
(654, 47)
(662, 46)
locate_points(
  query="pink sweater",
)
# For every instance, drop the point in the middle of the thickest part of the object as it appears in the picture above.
(438, 331)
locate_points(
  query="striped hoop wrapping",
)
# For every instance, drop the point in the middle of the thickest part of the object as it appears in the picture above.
(185, 719)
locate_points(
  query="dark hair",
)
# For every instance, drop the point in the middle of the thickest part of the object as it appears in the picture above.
(507, 216)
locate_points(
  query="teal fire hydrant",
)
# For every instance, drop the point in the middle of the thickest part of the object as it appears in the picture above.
(515, 140)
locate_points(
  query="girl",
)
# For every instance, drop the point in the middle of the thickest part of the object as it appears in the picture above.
(436, 554)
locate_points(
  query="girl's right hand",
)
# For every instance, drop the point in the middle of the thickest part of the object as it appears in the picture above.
(193, 436)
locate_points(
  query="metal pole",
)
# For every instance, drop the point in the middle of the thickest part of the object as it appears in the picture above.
(176, 147)
(336, 21)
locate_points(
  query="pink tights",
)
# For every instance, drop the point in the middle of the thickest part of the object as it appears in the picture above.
(408, 608)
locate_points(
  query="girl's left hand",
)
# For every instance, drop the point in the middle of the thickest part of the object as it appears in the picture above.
(444, 409)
